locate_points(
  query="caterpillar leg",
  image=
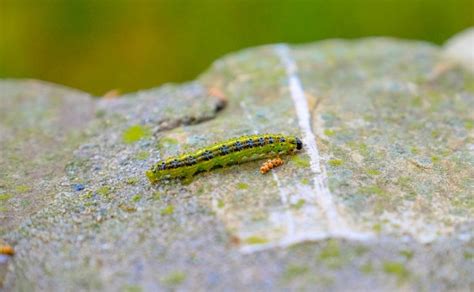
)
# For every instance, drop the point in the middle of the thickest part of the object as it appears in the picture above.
(187, 180)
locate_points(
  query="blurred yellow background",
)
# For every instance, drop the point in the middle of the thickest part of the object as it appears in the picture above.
(99, 45)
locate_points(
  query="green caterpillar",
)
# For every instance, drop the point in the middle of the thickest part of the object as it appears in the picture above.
(233, 151)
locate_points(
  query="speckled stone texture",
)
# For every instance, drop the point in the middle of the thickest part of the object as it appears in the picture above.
(394, 139)
(40, 125)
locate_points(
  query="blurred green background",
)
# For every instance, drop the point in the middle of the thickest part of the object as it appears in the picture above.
(98, 45)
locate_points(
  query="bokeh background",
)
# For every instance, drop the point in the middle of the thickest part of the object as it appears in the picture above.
(100, 45)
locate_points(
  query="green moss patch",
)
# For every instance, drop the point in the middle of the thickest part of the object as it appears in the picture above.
(295, 271)
(335, 162)
(300, 161)
(329, 132)
(22, 189)
(331, 255)
(305, 181)
(142, 155)
(255, 240)
(371, 190)
(5, 197)
(220, 204)
(373, 172)
(408, 254)
(168, 210)
(104, 191)
(242, 186)
(330, 251)
(298, 205)
(367, 268)
(137, 198)
(174, 278)
(135, 133)
(396, 269)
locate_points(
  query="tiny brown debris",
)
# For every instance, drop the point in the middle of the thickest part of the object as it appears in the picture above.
(111, 94)
(221, 98)
(234, 240)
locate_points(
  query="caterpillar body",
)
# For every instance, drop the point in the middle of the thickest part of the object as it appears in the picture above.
(233, 151)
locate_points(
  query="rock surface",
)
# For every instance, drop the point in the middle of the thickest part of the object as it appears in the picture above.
(460, 49)
(381, 198)
(41, 124)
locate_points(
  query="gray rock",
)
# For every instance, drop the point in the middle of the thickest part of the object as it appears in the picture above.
(460, 49)
(380, 198)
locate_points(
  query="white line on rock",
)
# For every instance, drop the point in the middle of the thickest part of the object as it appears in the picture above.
(338, 226)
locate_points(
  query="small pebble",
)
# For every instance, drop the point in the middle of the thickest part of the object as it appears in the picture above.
(78, 187)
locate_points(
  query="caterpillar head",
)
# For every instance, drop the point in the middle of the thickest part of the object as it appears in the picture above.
(299, 144)
(296, 141)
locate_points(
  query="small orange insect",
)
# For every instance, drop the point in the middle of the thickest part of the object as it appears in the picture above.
(7, 249)
(269, 164)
